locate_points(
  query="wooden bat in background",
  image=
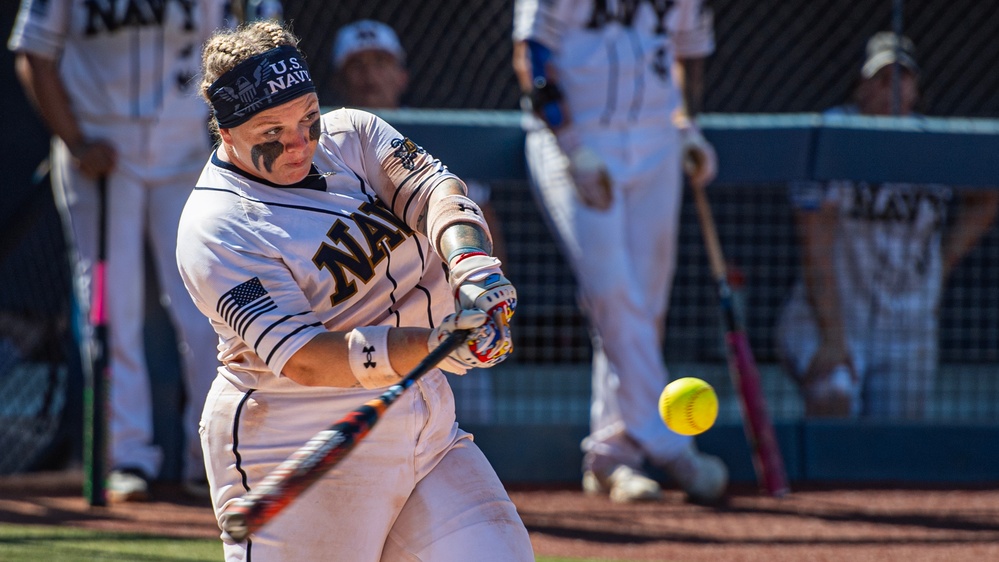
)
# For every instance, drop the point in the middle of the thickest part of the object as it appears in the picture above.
(321, 453)
(767, 460)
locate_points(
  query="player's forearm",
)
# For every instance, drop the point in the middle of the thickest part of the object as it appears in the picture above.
(816, 238)
(522, 66)
(692, 85)
(976, 214)
(462, 237)
(324, 361)
(44, 87)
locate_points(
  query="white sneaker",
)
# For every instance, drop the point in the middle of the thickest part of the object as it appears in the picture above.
(702, 477)
(624, 485)
(127, 485)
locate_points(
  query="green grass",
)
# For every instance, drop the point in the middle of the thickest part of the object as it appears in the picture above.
(30, 543)
(23, 543)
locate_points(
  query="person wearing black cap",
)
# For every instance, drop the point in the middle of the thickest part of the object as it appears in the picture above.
(859, 333)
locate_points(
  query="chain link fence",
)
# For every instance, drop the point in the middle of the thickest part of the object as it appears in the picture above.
(772, 56)
(34, 332)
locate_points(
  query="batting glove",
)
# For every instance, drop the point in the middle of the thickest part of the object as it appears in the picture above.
(700, 161)
(488, 345)
(588, 171)
(478, 283)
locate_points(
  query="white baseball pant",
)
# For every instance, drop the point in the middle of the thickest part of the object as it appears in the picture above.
(624, 259)
(416, 488)
(140, 212)
(896, 358)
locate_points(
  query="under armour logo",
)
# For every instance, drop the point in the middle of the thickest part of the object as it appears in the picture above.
(463, 208)
(368, 351)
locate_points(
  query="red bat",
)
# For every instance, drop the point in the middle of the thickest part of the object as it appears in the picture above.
(321, 453)
(767, 459)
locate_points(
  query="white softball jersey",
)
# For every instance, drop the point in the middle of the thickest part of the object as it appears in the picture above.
(272, 266)
(614, 62)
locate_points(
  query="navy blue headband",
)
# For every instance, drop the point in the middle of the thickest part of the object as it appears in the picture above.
(258, 83)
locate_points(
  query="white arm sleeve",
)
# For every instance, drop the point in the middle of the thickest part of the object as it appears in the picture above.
(41, 28)
(693, 29)
(541, 20)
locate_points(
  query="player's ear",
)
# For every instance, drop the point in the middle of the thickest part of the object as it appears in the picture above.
(226, 135)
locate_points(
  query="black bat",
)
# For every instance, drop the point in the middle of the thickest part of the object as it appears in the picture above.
(321, 453)
(96, 391)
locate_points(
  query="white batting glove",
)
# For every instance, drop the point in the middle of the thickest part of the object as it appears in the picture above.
(478, 283)
(588, 170)
(700, 162)
(488, 345)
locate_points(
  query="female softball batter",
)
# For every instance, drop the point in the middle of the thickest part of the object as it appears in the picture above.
(330, 254)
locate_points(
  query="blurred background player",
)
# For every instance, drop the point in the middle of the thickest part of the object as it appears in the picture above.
(118, 90)
(370, 72)
(369, 66)
(860, 333)
(608, 131)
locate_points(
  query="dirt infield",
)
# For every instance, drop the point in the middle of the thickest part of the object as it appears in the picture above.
(813, 524)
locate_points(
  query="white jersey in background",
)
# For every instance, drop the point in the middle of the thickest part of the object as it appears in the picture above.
(614, 65)
(154, 84)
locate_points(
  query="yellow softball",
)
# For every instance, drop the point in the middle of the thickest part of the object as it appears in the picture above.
(689, 406)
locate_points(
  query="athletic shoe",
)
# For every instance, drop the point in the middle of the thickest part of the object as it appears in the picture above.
(127, 485)
(197, 489)
(623, 484)
(702, 477)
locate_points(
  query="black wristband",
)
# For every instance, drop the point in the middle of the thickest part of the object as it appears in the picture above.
(544, 93)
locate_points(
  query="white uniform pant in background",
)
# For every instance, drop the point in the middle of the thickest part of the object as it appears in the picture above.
(896, 355)
(138, 212)
(416, 488)
(624, 259)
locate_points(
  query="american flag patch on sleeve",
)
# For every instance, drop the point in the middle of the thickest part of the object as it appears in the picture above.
(244, 303)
